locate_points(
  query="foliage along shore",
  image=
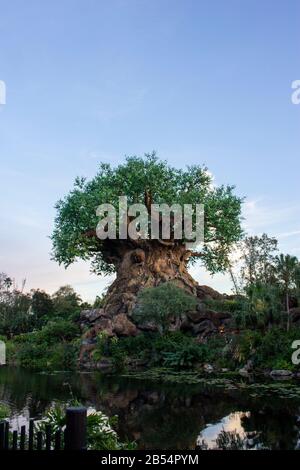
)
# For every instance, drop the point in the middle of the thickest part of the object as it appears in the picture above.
(56, 346)
(250, 331)
(155, 314)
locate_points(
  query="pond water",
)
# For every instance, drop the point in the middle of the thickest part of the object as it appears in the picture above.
(159, 416)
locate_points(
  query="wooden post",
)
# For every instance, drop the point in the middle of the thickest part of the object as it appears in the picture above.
(39, 440)
(48, 437)
(2, 432)
(15, 440)
(23, 438)
(6, 436)
(57, 444)
(75, 435)
(31, 432)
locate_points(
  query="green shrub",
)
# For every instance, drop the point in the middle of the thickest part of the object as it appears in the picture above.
(227, 305)
(160, 304)
(173, 349)
(61, 330)
(176, 350)
(64, 356)
(262, 306)
(39, 356)
(4, 411)
(33, 356)
(11, 352)
(110, 347)
(282, 364)
(271, 349)
(55, 346)
(276, 346)
(184, 358)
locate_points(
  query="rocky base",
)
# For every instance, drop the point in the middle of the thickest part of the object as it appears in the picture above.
(202, 323)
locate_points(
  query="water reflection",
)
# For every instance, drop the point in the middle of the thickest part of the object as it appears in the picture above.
(159, 416)
(231, 424)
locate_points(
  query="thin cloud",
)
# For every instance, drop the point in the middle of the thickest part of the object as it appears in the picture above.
(262, 217)
(288, 234)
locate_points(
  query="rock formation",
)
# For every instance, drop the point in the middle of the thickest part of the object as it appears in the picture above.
(202, 323)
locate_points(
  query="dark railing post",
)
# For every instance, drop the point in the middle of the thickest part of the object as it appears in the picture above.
(6, 436)
(39, 440)
(2, 432)
(75, 435)
(31, 433)
(15, 440)
(23, 438)
(57, 443)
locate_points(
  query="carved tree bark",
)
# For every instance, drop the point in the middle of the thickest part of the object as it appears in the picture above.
(146, 264)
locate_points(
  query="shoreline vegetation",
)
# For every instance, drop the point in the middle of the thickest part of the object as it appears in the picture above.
(238, 352)
(155, 315)
(249, 333)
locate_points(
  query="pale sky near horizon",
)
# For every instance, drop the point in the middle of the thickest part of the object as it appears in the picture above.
(93, 80)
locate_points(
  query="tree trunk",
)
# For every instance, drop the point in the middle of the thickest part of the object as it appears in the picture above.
(288, 311)
(147, 267)
(233, 279)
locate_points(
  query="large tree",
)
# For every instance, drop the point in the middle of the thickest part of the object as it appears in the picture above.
(145, 262)
(258, 257)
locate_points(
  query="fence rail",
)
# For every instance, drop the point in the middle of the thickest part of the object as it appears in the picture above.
(73, 437)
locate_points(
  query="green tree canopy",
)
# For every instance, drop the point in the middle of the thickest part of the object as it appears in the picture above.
(144, 180)
(258, 258)
(66, 303)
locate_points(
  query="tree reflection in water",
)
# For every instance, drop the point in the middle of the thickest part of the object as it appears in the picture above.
(159, 416)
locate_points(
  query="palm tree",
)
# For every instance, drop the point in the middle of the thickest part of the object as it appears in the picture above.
(287, 268)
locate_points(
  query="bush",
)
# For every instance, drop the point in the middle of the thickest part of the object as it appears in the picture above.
(227, 305)
(261, 307)
(184, 358)
(275, 346)
(174, 349)
(33, 356)
(267, 350)
(55, 346)
(64, 356)
(160, 304)
(61, 330)
(39, 356)
(39, 330)
(4, 411)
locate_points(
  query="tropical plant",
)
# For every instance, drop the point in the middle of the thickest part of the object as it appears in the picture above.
(287, 269)
(101, 434)
(262, 306)
(184, 358)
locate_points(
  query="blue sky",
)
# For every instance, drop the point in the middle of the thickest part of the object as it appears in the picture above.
(91, 80)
